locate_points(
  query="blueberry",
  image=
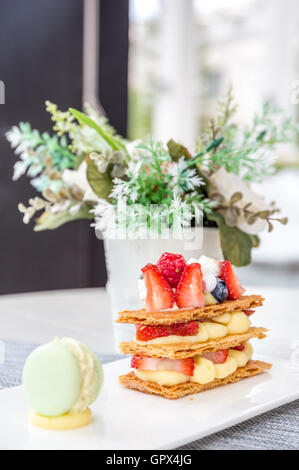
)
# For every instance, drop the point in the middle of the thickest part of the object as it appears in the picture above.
(220, 292)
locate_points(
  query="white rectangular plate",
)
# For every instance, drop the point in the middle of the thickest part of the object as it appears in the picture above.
(127, 419)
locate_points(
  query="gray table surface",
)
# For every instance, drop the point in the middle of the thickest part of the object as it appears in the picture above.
(276, 429)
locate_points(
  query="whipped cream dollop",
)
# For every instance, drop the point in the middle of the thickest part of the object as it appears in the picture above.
(88, 374)
(210, 268)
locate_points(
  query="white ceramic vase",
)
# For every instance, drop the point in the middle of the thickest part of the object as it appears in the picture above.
(125, 258)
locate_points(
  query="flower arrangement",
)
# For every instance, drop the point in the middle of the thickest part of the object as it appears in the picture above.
(84, 170)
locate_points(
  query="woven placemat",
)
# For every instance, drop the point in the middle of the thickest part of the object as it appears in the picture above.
(12, 358)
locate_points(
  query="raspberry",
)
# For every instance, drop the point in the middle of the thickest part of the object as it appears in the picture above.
(172, 266)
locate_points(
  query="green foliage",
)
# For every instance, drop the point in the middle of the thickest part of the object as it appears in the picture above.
(83, 137)
(155, 178)
(177, 150)
(152, 174)
(50, 221)
(58, 150)
(233, 213)
(249, 152)
(115, 142)
(42, 182)
(236, 245)
(39, 153)
(101, 183)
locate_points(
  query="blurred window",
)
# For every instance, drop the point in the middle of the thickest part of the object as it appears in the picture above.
(185, 53)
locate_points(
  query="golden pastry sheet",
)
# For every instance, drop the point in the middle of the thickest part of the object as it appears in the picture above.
(183, 350)
(189, 388)
(167, 317)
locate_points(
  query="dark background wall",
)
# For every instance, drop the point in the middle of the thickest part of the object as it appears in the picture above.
(41, 58)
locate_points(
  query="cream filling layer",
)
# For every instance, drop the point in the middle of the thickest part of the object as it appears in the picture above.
(88, 374)
(219, 327)
(205, 371)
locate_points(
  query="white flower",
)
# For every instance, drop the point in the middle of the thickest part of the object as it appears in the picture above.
(120, 189)
(14, 136)
(183, 177)
(78, 178)
(19, 169)
(227, 184)
(104, 218)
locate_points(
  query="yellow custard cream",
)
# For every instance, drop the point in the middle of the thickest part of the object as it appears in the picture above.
(205, 371)
(220, 326)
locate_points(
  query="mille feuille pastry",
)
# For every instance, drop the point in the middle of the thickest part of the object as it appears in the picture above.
(61, 379)
(194, 332)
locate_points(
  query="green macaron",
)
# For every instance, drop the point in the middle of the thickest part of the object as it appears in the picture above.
(53, 377)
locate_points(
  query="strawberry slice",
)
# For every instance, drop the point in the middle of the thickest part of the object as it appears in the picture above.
(148, 332)
(183, 366)
(248, 312)
(235, 290)
(159, 293)
(241, 347)
(189, 292)
(218, 357)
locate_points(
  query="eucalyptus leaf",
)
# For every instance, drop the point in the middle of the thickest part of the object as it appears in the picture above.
(101, 183)
(236, 245)
(177, 150)
(230, 218)
(217, 197)
(247, 206)
(236, 211)
(264, 214)
(251, 219)
(50, 221)
(236, 197)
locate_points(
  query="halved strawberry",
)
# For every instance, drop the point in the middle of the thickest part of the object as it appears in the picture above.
(235, 290)
(218, 357)
(189, 292)
(172, 266)
(241, 347)
(159, 293)
(248, 312)
(148, 332)
(184, 366)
